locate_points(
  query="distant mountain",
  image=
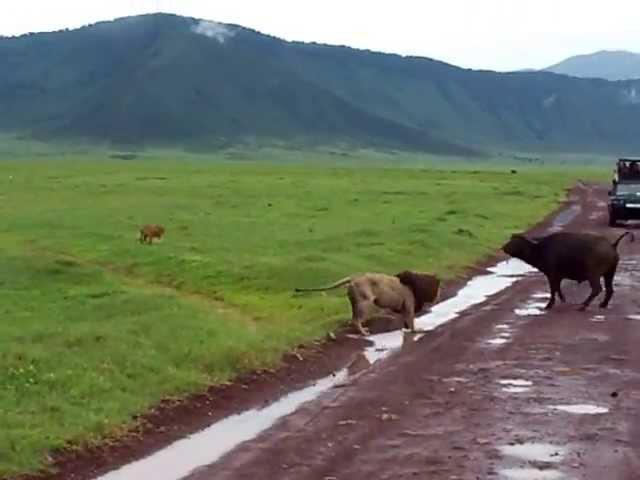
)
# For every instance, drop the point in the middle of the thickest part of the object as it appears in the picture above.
(164, 79)
(610, 65)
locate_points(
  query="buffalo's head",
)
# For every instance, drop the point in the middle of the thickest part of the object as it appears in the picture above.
(520, 247)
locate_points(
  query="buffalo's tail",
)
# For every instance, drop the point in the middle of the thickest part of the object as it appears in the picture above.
(615, 244)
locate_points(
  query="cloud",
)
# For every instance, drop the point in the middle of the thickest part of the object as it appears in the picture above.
(219, 31)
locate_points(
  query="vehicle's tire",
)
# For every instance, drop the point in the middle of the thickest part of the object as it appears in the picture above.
(613, 221)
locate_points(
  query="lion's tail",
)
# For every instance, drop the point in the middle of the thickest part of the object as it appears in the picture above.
(337, 284)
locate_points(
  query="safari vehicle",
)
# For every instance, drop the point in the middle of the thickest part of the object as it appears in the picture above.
(627, 170)
(624, 198)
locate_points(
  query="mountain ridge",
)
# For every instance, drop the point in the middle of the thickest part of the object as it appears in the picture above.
(162, 78)
(606, 64)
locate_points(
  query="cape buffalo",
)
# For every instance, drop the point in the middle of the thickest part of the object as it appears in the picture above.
(573, 256)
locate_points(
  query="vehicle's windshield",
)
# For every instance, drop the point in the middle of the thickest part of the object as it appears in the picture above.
(629, 167)
(626, 189)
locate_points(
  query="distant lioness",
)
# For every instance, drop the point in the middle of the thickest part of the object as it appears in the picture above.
(149, 232)
(404, 294)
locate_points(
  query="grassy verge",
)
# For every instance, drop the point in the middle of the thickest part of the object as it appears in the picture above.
(96, 327)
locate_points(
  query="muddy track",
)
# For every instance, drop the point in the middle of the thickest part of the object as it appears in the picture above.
(480, 397)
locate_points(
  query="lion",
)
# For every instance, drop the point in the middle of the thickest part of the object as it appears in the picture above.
(404, 294)
(149, 232)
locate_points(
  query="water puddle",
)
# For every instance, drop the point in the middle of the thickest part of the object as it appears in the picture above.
(530, 474)
(598, 319)
(515, 385)
(205, 447)
(384, 344)
(515, 382)
(541, 295)
(627, 278)
(531, 308)
(503, 335)
(516, 389)
(564, 217)
(534, 452)
(584, 409)
(359, 364)
(456, 380)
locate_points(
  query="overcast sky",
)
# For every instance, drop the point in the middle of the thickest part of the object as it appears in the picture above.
(491, 34)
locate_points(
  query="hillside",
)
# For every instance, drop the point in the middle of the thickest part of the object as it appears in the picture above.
(174, 80)
(610, 65)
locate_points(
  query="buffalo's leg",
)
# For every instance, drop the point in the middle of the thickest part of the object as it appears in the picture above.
(554, 286)
(596, 289)
(560, 294)
(608, 287)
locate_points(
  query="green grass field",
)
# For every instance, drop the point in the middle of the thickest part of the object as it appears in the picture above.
(96, 327)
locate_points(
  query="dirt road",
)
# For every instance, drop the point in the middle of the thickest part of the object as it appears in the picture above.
(504, 391)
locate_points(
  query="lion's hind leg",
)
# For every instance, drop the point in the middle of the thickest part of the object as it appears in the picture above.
(400, 308)
(360, 309)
